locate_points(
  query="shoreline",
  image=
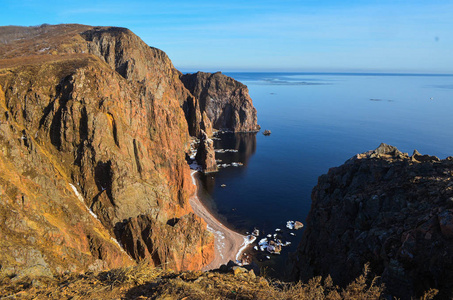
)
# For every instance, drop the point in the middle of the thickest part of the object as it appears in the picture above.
(228, 244)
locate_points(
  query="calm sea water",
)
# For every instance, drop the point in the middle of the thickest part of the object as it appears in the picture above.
(319, 121)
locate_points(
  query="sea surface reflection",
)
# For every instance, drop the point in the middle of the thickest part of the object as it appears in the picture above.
(316, 127)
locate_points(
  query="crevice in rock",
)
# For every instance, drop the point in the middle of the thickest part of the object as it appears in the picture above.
(55, 129)
(64, 93)
(137, 158)
(172, 222)
(94, 247)
(24, 109)
(114, 129)
(25, 138)
(135, 235)
(46, 112)
(122, 69)
(115, 133)
(83, 125)
(103, 175)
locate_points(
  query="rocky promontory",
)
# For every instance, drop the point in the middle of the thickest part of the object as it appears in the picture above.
(387, 208)
(224, 101)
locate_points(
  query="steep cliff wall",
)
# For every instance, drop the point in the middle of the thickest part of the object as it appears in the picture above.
(46, 227)
(102, 111)
(225, 101)
(386, 208)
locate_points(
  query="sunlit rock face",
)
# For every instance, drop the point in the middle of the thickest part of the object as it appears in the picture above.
(93, 139)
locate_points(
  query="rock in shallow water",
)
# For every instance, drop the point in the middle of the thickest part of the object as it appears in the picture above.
(298, 225)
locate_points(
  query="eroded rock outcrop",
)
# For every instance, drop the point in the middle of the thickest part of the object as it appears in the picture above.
(184, 238)
(387, 208)
(206, 154)
(225, 101)
(91, 118)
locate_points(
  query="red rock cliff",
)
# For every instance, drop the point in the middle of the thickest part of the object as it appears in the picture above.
(94, 112)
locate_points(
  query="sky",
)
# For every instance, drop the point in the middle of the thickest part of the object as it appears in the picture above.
(284, 35)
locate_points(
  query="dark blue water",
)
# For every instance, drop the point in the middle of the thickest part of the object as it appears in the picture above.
(319, 121)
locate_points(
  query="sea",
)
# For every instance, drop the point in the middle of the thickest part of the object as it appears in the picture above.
(318, 121)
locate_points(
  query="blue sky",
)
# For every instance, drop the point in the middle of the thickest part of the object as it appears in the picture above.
(284, 35)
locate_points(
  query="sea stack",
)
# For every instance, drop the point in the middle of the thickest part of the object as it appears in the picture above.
(206, 155)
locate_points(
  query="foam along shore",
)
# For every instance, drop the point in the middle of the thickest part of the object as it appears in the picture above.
(229, 244)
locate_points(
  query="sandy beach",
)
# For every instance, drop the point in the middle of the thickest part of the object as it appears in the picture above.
(228, 243)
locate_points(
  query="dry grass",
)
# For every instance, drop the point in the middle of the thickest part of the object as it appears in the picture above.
(136, 275)
(38, 60)
(145, 282)
(247, 286)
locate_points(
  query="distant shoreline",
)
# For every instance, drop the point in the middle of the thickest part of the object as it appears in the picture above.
(336, 73)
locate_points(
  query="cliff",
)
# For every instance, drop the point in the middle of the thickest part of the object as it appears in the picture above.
(387, 208)
(225, 101)
(93, 142)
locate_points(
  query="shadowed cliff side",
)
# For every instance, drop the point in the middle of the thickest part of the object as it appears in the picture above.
(387, 208)
(102, 111)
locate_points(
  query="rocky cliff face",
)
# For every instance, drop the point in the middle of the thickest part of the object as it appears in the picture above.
(46, 227)
(91, 119)
(225, 101)
(387, 208)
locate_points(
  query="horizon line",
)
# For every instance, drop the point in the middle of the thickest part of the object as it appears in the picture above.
(336, 72)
